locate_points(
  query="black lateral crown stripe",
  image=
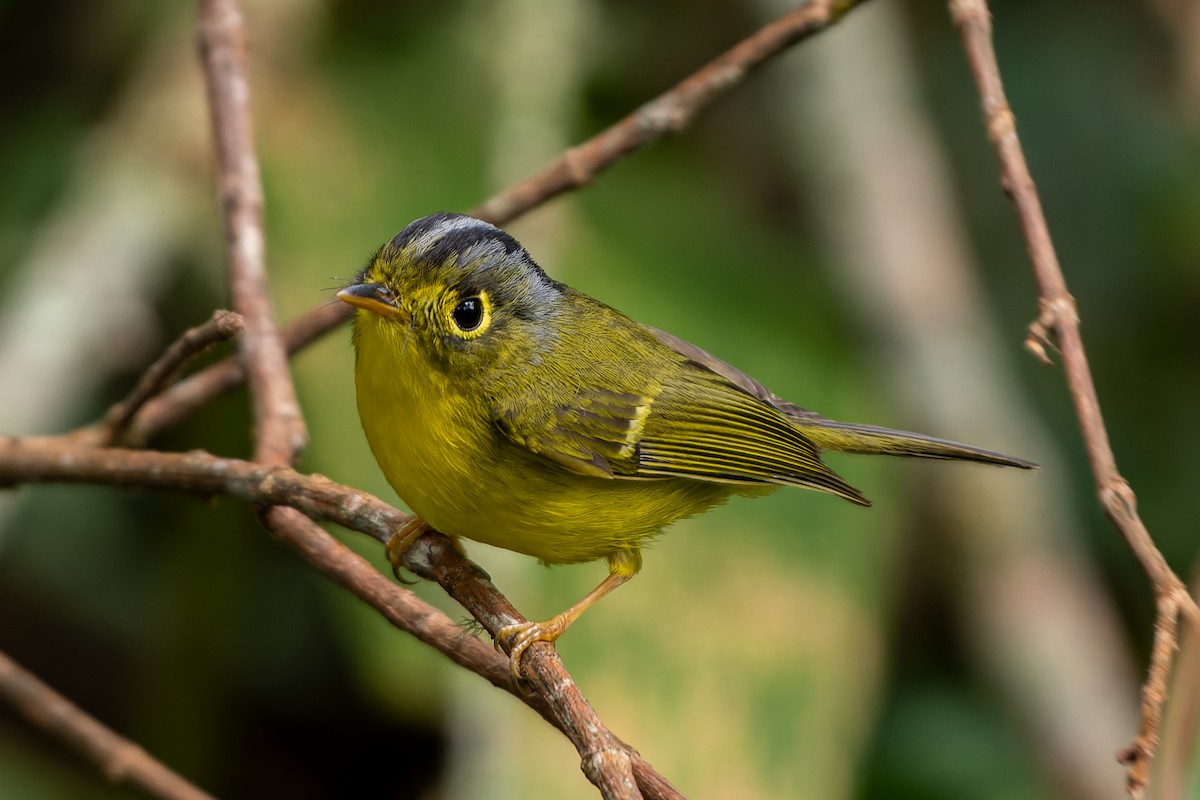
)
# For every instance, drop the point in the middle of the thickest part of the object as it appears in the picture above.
(459, 238)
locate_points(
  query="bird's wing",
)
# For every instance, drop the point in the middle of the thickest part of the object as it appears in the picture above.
(695, 424)
(702, 426)
(597, 433)
(844, 437)
(732, 374)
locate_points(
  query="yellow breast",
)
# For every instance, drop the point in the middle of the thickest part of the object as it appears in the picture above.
(440, 451)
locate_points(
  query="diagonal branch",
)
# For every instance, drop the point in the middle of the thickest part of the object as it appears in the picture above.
(602, 754)
(121, 761)
(1058, 319)
(191, 394)
(665, 115)
(195, 341)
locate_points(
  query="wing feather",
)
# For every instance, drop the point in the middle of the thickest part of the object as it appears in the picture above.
(704, 427)
(597, 434)
(694, 424)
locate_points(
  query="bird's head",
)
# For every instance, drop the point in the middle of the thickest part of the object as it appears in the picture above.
(458, 288)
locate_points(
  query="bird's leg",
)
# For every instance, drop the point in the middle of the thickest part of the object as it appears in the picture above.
(402, 539)
(622, 566)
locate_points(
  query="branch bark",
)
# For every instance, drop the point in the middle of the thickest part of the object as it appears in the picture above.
(1058, 322)
(665, 115)
(194, 392)
(121, 761)
(195, 341)
(279, 428)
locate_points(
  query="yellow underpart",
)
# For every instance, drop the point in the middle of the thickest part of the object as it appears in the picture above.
(447, 461)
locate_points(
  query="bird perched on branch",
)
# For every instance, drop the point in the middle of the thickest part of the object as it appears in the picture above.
(508, 408)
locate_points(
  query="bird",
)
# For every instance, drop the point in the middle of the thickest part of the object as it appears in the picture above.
(505, 407)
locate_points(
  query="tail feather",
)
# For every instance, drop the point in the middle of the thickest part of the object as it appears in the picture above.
(846, 437)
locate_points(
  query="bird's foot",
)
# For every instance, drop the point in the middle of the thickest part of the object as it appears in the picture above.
(521, 635)
(402, 539)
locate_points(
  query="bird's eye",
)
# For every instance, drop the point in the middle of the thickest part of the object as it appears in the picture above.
(468, 314)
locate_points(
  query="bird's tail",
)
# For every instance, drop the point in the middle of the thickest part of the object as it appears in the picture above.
(846, 437)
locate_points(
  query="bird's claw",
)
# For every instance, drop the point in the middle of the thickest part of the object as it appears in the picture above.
(521, 635)
(399, 543)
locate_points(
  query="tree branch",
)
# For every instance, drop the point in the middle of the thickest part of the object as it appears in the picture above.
(194, 392)
(279, 428)
(1058, 321)
(195, 341)
(121, 761)
(604, 757)
(665, 115)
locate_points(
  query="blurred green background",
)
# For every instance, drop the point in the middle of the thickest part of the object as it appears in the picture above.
(834, 227)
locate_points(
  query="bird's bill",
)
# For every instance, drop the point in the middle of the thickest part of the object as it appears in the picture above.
(372, 297)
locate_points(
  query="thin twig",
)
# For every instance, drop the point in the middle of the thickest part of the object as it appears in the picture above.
(62, 460)
(194, 392)
(666, 115)
(279, 427)
(121, 761)
(194, 342)
(1058, 321)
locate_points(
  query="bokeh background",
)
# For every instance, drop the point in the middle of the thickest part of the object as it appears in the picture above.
(834, 227)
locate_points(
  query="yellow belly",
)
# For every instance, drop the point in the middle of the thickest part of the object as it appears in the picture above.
(450, 465)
